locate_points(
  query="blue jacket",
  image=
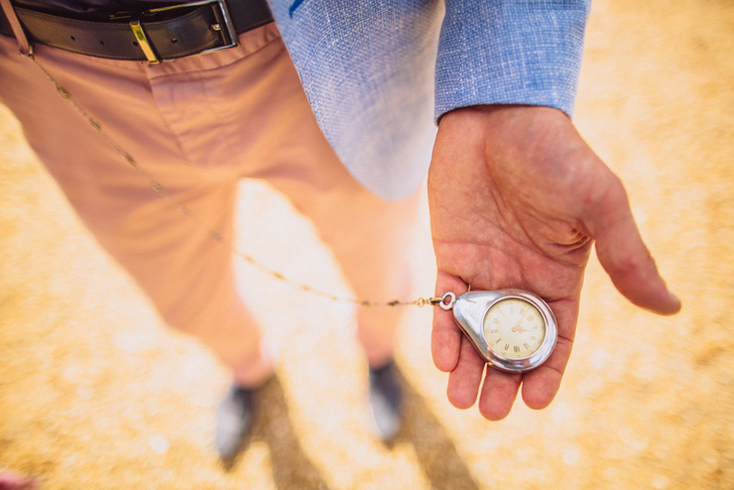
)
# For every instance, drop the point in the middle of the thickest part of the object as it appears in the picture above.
(379, 73)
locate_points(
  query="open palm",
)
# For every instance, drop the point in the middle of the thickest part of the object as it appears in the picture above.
(517, 199)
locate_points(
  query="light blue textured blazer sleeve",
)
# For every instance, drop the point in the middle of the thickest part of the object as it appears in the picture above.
(510, 52)
(379, 72)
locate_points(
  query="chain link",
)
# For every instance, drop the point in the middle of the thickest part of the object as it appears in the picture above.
(159, 189)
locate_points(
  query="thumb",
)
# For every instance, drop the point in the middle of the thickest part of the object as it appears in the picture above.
(626, 259)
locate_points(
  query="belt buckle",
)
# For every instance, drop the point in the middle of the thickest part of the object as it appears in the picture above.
(224, 26)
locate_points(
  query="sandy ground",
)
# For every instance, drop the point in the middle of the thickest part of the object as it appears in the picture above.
(95, 393)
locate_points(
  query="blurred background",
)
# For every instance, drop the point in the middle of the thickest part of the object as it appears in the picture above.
(96, 393)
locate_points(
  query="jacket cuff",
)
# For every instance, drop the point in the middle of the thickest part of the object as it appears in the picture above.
(510, 52)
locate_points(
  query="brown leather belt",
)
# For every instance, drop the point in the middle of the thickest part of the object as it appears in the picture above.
(154, 35)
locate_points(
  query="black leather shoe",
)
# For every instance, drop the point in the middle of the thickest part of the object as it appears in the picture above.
(234, 420)
(386, 400)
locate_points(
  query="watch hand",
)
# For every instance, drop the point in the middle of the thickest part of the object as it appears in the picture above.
(517, 327)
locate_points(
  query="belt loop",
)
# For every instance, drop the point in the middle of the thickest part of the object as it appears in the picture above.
(24, 46)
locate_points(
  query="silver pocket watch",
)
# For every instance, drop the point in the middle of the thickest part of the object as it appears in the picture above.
(513, 330)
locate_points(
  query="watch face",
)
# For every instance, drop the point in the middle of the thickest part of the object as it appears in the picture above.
(514, 328)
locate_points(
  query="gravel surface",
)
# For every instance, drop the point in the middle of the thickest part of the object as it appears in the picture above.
(96, 393)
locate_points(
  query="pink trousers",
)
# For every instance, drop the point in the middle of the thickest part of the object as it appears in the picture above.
(199, 125)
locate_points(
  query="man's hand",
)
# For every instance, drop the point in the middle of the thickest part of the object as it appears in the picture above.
(517, 198)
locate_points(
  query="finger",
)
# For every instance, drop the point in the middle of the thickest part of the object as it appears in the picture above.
(625, 257)
(465, 379)
(13, 481)
(498, 394)
(539, 387)
(445, 336)
(445, 340)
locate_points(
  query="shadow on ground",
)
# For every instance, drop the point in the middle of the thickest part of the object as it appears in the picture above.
(292, 468)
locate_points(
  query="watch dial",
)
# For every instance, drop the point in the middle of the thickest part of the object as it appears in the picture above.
(514, 328)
